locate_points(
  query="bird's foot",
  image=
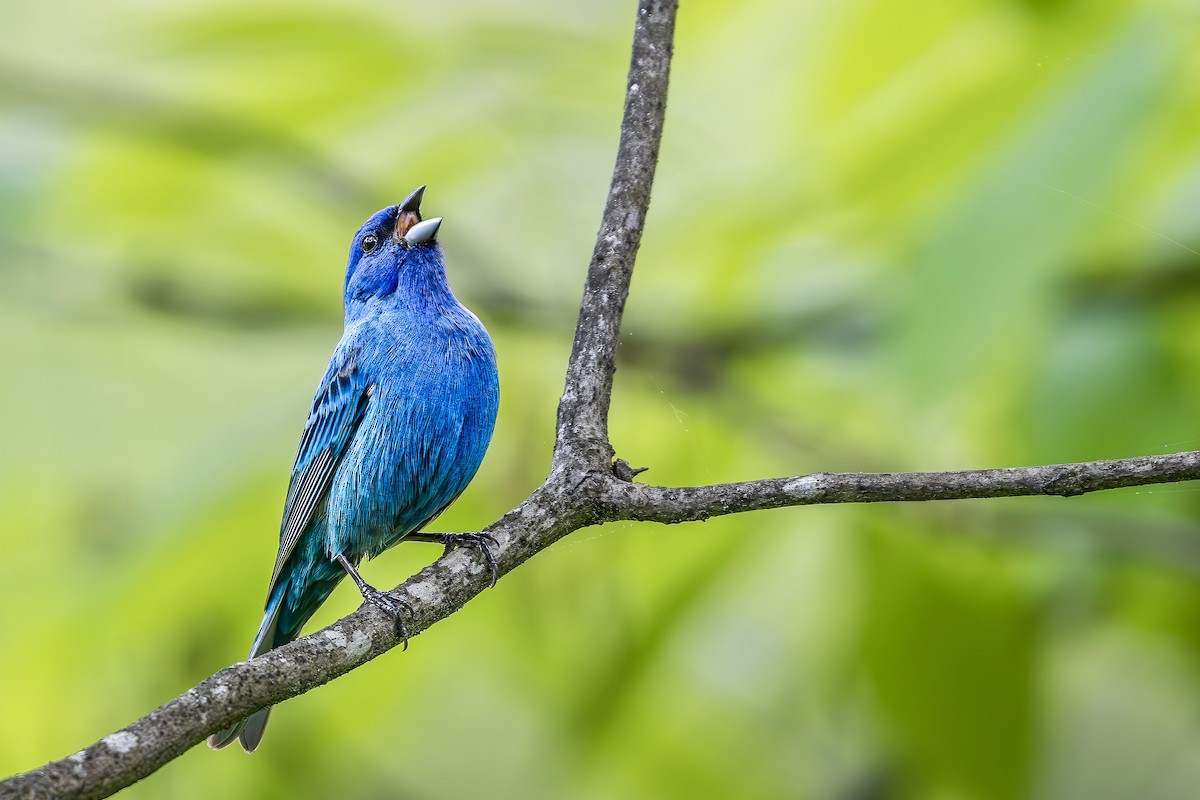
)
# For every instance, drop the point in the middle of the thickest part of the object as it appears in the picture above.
(481, 543)
(393, 606)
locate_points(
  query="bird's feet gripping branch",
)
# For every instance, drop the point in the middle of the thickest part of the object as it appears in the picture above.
(481, 543)
(394, 607)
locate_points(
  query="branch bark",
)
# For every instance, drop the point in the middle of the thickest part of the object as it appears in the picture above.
(692, 503)
(582, 489)
(582, 434)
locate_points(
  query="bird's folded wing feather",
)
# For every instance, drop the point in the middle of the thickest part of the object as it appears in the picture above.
(337, 411)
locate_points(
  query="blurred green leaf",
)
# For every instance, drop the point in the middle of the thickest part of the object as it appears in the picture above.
(948, 644)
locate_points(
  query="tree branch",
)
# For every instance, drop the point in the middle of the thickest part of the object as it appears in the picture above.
(435, 593)
(581, 490)
(691, 503)
(582, 436)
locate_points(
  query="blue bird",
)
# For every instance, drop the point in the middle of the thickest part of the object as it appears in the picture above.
(398, 427)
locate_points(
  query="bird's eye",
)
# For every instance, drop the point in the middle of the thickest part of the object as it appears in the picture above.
(370, 242)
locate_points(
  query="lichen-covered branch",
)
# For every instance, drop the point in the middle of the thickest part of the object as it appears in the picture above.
(553, 511)
(686, 504)
(582, 436)
(135, 751)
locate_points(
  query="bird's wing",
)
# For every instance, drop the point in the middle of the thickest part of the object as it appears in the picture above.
(337, 411)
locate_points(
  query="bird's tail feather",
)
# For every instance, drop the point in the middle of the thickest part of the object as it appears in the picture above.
(250, 730)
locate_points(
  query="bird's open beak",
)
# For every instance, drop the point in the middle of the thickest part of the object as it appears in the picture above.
(423, 231)
(408, 214)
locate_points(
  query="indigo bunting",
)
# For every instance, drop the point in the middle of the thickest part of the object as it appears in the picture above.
(398, 427)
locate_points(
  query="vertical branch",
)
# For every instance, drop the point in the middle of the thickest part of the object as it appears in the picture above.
(582, 433)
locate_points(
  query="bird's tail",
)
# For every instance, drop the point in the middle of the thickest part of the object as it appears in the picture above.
(250, 730)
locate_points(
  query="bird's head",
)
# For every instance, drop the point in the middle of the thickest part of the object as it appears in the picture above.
(393, 250)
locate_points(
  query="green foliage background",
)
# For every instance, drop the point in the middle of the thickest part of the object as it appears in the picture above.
(886, 236)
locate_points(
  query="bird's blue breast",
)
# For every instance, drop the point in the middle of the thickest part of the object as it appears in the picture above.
(434, 400)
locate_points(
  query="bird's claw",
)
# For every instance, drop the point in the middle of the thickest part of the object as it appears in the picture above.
(393, 606)
(481, 543)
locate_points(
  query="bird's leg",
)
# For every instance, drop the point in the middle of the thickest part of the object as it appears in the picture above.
(481, 543)
(392, 606)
